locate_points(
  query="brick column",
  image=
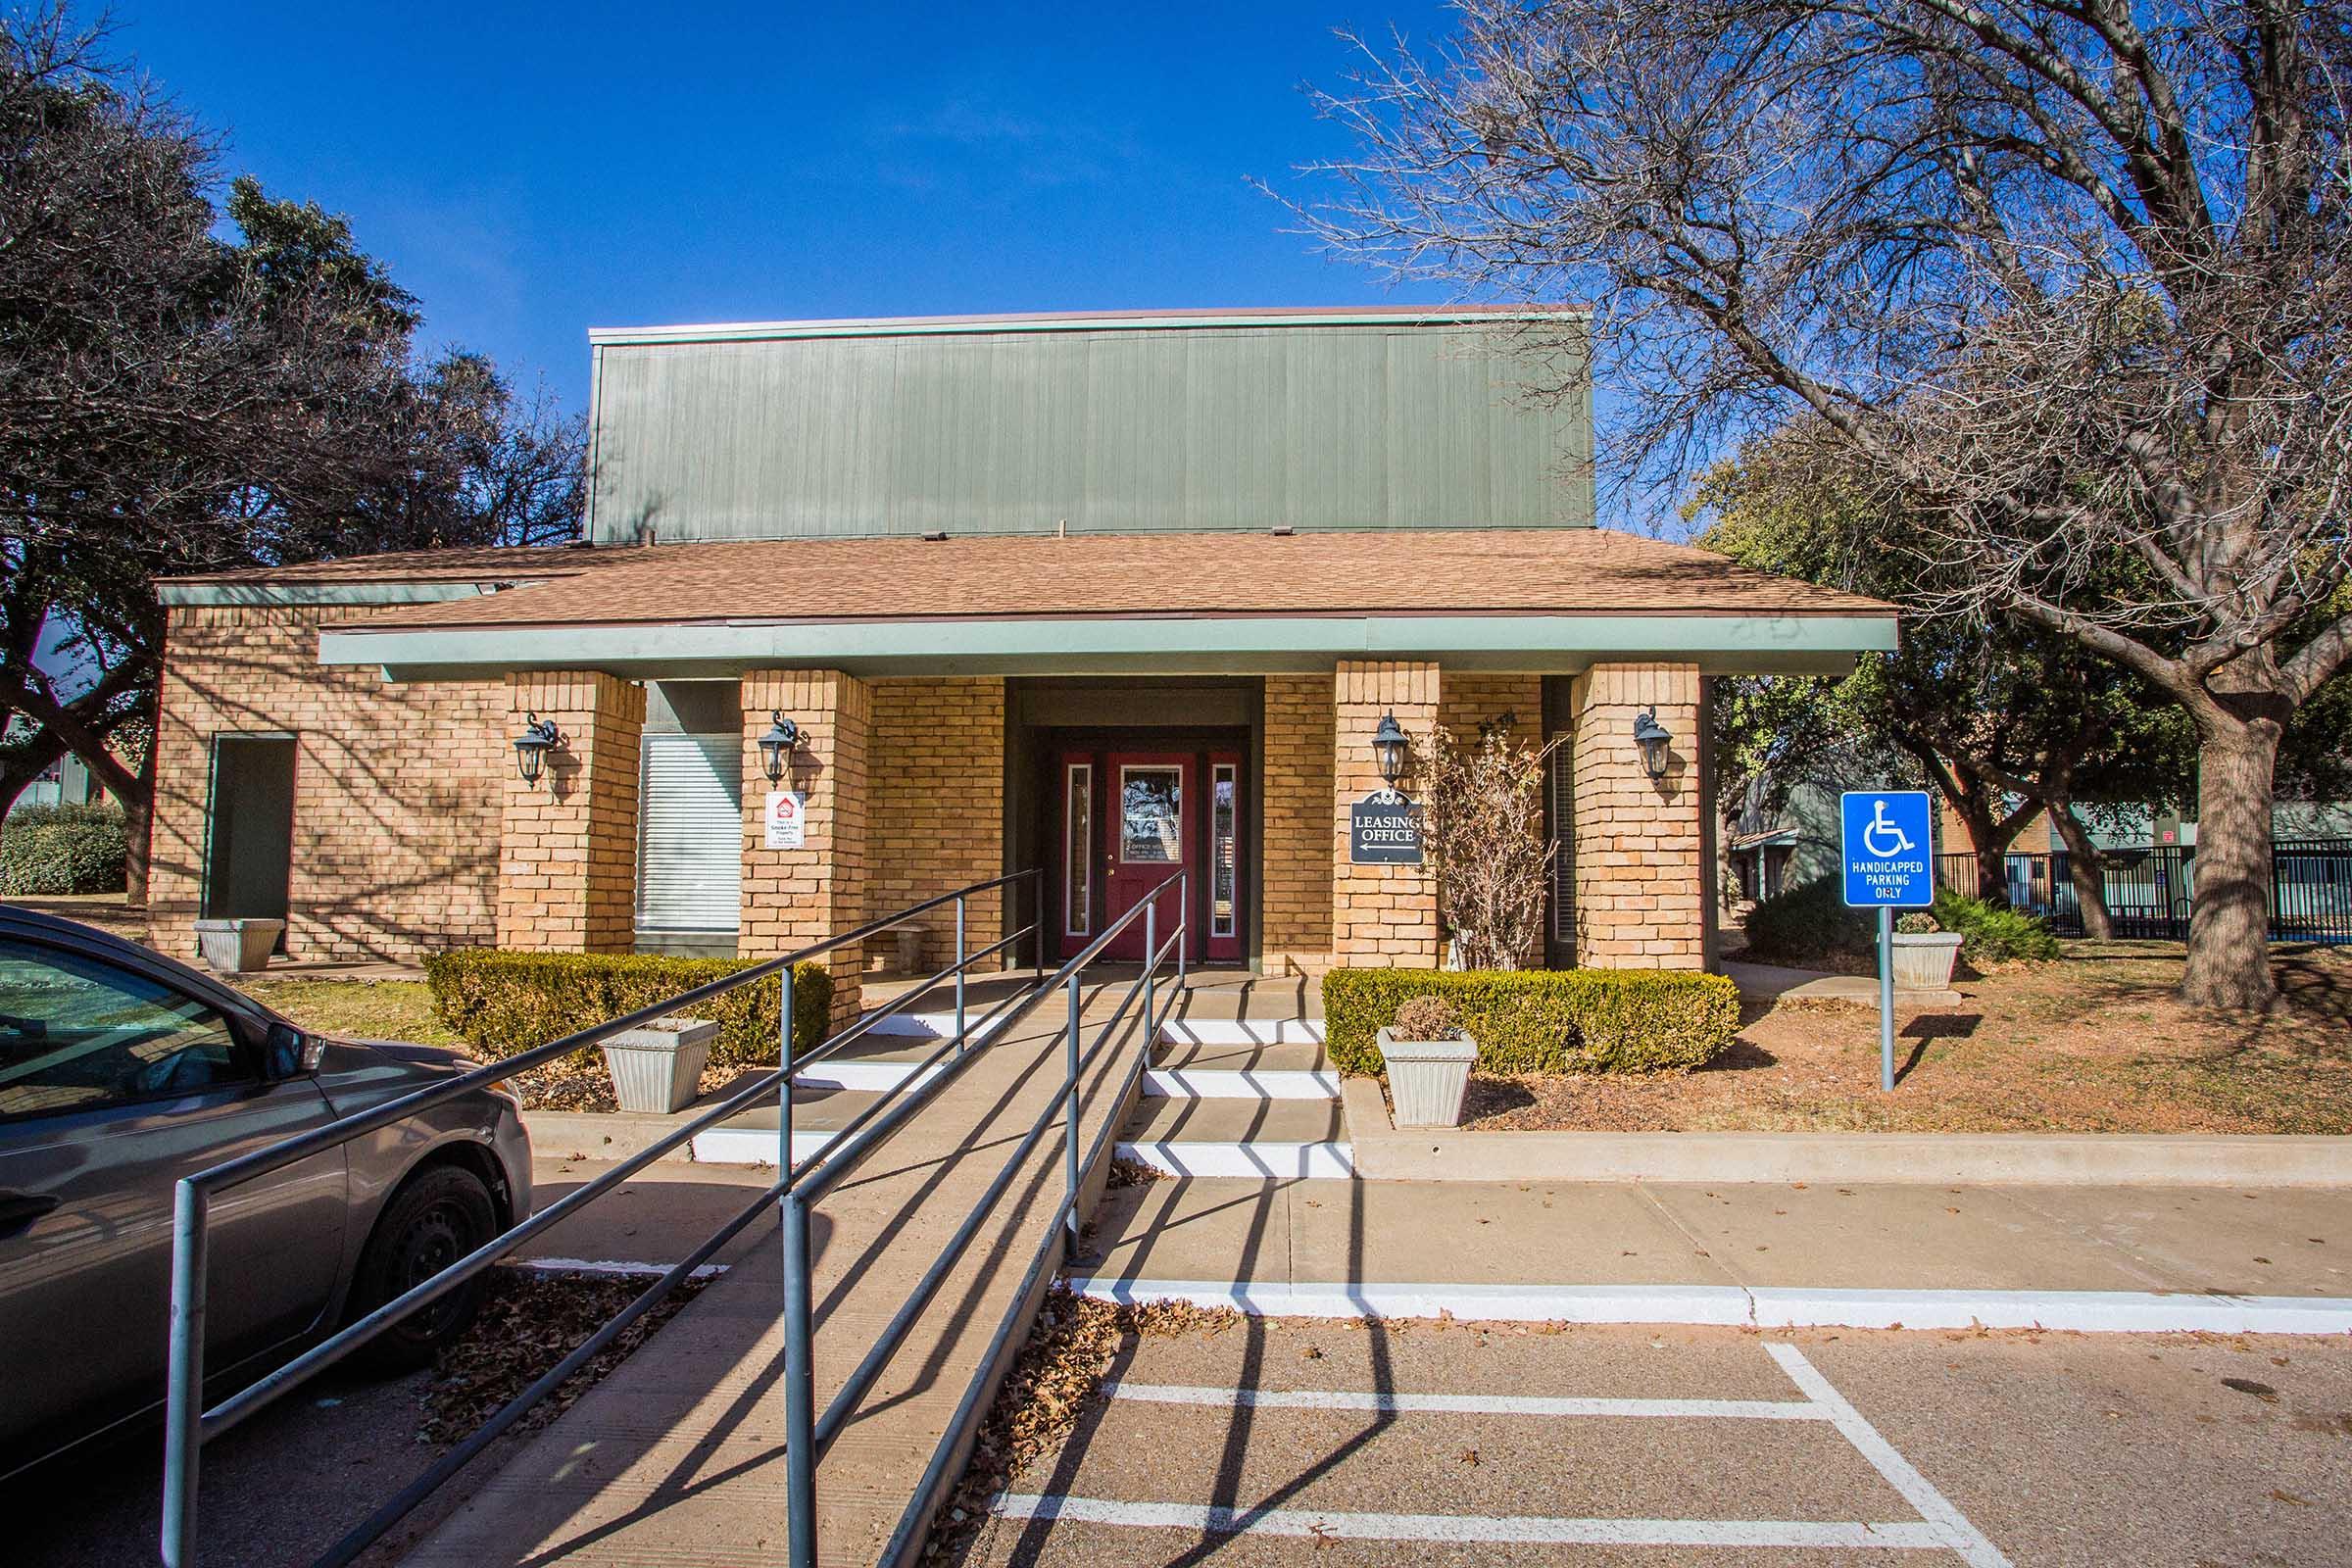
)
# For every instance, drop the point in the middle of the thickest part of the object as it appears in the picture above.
(794, 897)
(567, 860)
(1296, 904)
(1640, 877)
(1380, 915)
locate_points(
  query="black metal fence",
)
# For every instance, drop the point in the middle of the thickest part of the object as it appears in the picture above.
(2152, 889)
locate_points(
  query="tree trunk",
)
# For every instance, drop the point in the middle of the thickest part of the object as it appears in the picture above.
(2228, 929)
(2087, 868)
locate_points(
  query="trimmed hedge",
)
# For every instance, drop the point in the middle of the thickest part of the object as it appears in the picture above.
(1993, 933)
(1808, 921)
(505, 1003)
(53, 850)
(1543, 1021)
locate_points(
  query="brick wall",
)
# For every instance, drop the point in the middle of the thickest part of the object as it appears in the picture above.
(937, 792)
(1381, 915)
(1472, 698)
(398, 788)
(1294, 931)
(794, 897)
(567, 861)
(1640, 849)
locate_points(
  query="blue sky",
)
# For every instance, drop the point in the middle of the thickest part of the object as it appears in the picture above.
(531, 171)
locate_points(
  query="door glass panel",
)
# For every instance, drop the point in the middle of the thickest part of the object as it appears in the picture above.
(1221, 837)
(1151, 815)
(1078, 850)
(76, 1034)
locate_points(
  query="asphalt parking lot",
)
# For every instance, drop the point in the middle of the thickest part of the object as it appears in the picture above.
(1338, 1442)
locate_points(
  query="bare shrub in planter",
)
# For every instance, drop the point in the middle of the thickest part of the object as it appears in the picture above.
(1483, 825)
(1427, 1018)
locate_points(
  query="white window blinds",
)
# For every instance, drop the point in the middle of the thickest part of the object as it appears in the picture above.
(690, 833)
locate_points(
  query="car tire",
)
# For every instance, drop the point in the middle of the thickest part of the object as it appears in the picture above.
(439, 1217)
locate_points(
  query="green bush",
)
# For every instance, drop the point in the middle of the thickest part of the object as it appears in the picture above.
(1543, 1021)
(505, 1003)
(49, 851)
(1994, 933)
(1808, 921)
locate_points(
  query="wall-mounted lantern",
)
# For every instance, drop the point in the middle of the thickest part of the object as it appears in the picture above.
(1389, 744)
(538, 738)
(1653, 739)
(776, 746)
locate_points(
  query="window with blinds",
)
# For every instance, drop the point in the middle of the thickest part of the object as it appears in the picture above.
(690, 833)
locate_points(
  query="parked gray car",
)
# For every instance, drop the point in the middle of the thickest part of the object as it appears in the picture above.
(122, 1071)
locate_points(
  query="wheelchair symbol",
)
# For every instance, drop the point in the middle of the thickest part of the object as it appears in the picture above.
(1875, 834)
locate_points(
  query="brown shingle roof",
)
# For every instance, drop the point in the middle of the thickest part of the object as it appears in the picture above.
(1456, 572)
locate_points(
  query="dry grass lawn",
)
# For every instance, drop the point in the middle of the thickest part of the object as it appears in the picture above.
(2092, 1043)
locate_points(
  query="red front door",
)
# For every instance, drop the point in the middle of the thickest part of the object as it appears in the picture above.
(1147, 838)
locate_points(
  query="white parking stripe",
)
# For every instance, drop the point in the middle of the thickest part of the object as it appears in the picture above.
(1460, 1529)
(1467, 1404)
(1948, 1522)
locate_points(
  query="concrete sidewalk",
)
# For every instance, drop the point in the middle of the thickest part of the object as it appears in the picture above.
(678, 1457)
(2087, 1257)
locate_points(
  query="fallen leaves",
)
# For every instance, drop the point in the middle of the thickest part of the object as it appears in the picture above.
(528, 1322)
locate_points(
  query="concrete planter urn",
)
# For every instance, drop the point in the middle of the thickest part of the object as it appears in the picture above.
(660, 1068)
(1427, 1078)
(237, 946)
(1922, 959)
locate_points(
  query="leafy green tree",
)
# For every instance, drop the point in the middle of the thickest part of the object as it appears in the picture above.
(182, 394)
(2002, 717)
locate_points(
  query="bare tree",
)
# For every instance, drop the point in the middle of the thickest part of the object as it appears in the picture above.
(2069, 277)
(1483, 809)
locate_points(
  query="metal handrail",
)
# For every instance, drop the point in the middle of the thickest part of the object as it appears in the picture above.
(806, 1439)
(188, 1426)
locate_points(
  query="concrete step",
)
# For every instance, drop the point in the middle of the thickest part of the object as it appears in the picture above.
(1240, 1138)
(1190, 1070)
(880, 1060)
(749, 1138)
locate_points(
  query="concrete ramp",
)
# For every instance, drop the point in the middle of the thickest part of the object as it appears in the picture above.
(677, 1458)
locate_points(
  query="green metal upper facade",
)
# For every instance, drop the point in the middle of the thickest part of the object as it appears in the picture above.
(1101, 423)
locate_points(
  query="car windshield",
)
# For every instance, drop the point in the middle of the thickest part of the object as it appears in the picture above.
(76, 1032)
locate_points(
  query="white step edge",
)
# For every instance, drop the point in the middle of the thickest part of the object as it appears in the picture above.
(1256, 1158)
(752, 1145)
(936, 1025)
(1226, 1083)
(1242, 1032)
(867, 1075)
(2068, 1311)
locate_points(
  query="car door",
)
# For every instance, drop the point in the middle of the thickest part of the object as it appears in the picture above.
(114, 1084)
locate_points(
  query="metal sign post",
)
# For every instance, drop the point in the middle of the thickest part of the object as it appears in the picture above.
(1885, 845)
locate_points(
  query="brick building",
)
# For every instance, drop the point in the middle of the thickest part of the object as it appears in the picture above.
(1102, 596)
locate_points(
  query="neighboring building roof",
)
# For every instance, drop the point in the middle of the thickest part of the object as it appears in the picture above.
(1519, 599)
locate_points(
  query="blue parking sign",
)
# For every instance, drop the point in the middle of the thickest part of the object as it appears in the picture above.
(1887, 849)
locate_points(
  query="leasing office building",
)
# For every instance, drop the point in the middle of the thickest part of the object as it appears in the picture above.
(1099, 595)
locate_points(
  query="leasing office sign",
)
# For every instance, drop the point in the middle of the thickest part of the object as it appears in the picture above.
(1384, 828)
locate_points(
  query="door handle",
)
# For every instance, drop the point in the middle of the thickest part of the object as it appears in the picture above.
(17, 1211)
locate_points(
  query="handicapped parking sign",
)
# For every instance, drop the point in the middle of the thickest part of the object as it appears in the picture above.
(1885, 847)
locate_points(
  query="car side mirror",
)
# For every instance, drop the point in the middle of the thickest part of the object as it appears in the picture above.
(288, 1052)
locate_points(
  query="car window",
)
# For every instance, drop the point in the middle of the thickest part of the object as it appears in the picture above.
(78, 1033)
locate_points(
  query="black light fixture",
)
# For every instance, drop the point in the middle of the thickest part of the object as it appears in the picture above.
(538, 738)
(1388, 744)
(1653, 739)
(776, 746)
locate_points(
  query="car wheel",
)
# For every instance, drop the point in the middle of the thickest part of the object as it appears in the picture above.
(438, 1217)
